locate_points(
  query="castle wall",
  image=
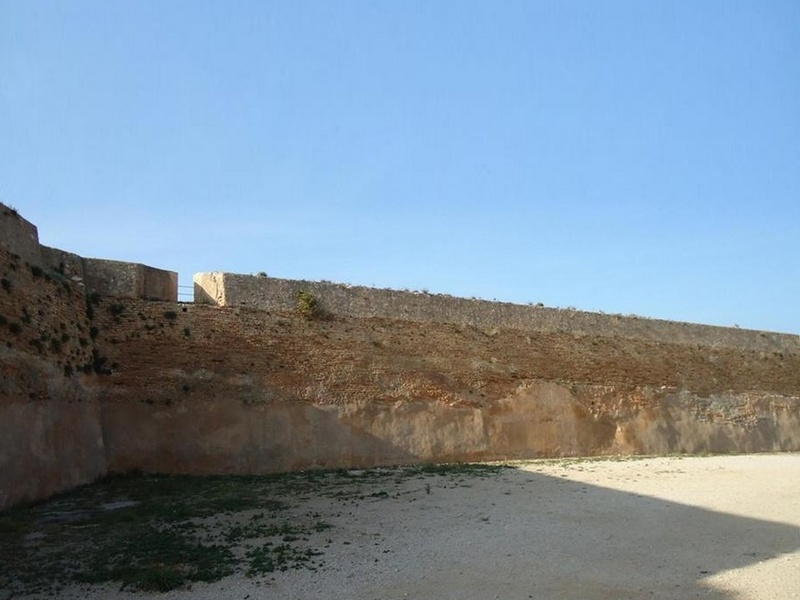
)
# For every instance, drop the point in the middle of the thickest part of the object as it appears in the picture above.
(66, 263)
(99, 375)
(129, 280)
(51, 435)
(50, 426)
(19, 236)
(268, 293)
(202, 389)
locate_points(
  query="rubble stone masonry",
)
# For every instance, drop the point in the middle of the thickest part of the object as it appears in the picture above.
(100, 382)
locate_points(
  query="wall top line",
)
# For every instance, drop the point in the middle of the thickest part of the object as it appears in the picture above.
(269, 293)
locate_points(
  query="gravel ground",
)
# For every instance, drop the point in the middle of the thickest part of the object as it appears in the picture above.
(702, 527)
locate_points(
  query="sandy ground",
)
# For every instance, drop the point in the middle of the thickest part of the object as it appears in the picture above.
(706, 527)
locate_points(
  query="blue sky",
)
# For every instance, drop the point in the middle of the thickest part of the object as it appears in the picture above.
(623, 156)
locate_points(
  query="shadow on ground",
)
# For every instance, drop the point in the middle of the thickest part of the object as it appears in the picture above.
(476, 534)
(520, 534)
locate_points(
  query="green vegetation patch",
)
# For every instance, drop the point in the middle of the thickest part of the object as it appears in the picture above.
(307, 305)
(152, 533)
(158, 532)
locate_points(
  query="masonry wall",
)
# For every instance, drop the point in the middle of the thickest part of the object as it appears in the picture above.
(202, 389)
(51, 434)
(50, 425)
(116, 381)
(129, 280)
(18, 236)
(267, 293)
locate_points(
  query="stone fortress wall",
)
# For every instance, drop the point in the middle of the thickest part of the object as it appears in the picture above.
(51, 435)
(103, 371)
(97, 276)
(268, 293)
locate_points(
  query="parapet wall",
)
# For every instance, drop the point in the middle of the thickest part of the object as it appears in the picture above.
(98, 276)
(130, 280)
(268, 293)
(18, 235)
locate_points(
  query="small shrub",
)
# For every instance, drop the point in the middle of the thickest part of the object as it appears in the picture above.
(6, 283)
(116, 309)
(36, 271)
(15, 328)
(187, 332)
(98, 364)
(307, 304)
(170, 315)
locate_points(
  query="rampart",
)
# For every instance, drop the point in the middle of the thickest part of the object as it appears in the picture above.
(103, 371)
(51, 434)
(19, 236)
(268, 293)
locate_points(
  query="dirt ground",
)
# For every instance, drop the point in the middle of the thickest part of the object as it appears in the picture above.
(721, 528)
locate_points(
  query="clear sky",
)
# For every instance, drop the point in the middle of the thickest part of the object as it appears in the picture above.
(625, 156)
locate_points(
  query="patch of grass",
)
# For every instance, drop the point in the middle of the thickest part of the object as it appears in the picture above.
(157, 533)
(158, 556)
(142, 531)
(453, 469)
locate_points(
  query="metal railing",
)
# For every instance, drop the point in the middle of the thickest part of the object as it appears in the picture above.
(186, 293)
